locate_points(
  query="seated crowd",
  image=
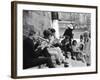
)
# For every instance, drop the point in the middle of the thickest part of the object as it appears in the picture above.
(51, 51)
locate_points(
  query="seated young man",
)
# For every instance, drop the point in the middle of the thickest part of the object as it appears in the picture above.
(31, 55)
(53, 51)
(55, 41)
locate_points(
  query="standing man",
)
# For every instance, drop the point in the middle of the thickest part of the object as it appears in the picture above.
(68, 32)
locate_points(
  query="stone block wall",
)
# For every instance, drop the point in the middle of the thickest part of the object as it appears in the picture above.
(36, 20)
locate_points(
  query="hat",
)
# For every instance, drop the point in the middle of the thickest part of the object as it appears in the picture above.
(70, 26)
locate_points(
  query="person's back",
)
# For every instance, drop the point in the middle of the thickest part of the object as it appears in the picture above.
(27, 51)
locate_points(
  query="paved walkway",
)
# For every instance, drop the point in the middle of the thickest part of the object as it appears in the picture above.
(73, 63)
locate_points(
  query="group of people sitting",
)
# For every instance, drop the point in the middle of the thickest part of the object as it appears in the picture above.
(51, 51)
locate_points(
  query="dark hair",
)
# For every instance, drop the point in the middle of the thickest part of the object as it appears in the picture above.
(81, 48)
(52, 30)
(74, 42)
(81, 36)
(31, 32)
(47, 33)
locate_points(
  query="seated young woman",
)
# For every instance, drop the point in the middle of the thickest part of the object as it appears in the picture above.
(81, 54)
(74, 50)
(78, 52)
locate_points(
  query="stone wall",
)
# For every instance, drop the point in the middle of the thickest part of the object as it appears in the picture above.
(36, 20)
(41, 20)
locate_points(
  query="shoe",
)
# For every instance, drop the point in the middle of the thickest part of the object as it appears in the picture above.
(66, 64)
(73, 58)
(58, 62)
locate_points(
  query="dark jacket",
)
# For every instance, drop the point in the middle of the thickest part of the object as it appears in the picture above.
(29, 51)
(68, 32)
